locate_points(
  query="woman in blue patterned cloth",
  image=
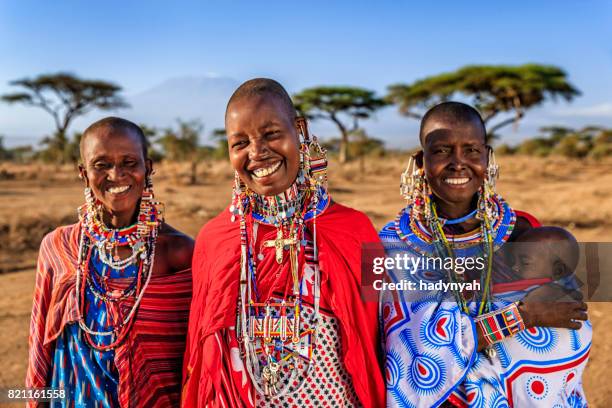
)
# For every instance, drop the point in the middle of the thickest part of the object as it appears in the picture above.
(482, 342)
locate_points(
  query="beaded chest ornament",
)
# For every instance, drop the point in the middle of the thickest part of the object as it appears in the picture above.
(139, 237)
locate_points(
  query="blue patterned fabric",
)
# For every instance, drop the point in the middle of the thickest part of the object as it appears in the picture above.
(431, 349)
(89, 377)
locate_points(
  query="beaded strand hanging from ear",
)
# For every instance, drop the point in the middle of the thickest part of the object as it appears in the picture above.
(415, 190)
(140, 237)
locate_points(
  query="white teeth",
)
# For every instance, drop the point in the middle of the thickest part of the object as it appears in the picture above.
(267, 171)
(118, 190)
(457, 181)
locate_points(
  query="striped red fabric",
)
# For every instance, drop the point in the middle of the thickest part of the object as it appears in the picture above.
(149, 361)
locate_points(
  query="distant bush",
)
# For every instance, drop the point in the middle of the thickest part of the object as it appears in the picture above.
(592, 141)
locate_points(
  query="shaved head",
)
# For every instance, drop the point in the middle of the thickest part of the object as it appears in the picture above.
(454, 113)
(263, 87)
(114, 124)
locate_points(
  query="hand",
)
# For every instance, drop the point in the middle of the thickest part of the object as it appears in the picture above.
(553, 306)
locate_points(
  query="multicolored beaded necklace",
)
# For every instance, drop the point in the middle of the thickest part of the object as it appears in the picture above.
(140, 237)
(275, 322)
(427, 238)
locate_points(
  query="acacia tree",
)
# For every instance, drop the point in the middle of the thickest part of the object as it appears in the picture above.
(183, 144)
(492, 89)
(335, 103)
(65, 96)
(220, 137)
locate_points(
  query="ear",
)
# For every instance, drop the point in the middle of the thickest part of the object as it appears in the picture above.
(83, 174)
(148, 167)
(302, 127)
(560, 270)
(418, 158)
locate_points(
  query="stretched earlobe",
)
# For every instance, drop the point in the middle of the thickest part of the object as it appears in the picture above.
(302, 127)
(418, 158)
(83, 175)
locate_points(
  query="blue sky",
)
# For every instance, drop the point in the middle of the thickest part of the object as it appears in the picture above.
(140, 44)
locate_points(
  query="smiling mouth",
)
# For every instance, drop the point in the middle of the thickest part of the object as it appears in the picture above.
(266, 171)
(118, 189)
(457, 181)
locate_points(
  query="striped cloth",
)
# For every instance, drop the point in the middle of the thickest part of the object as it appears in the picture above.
(149, 361)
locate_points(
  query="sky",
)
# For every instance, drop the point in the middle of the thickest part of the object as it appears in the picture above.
(140, 44)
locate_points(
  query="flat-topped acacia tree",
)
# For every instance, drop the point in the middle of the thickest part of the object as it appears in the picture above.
(492, 89)
(335, 103)
(65, 97)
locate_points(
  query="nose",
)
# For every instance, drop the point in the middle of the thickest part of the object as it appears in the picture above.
(457, 160)
(115, 173)
(258, 150)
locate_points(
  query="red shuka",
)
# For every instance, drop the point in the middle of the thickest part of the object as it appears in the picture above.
(340, 232)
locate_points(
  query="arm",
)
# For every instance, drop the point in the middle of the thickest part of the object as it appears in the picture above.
(39, 357)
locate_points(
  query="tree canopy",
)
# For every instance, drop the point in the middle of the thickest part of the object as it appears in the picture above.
(492, 89)
(64, 96)
(335, 103)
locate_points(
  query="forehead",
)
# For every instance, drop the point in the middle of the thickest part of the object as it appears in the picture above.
(449, 131)
(255, 110)
(111, 142)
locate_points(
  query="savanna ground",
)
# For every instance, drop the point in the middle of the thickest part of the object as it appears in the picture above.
(35, 198)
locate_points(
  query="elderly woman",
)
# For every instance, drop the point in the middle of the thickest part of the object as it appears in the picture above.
(471, 345)
(112, 291)
(276, 318)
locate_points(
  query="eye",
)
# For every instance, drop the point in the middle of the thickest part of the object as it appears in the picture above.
(101, 165)
(240, 144)
(441, 150)
(272, 134)
(130, 163)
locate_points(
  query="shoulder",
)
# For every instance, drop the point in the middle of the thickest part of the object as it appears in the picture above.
(60, 237)
(179, 247)
(524, 222)
(388, 231)
(345, 220)
(217, 233)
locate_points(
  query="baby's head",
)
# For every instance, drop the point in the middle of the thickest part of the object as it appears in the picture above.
(545, 252)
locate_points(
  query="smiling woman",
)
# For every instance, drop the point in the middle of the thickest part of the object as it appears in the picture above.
(263, 145)
(112, 292)
(279, 252)
(472, 348)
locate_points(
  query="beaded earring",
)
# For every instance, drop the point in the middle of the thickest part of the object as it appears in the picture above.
(415, 190)
(486, 205)
(237, 189)
(313, 157)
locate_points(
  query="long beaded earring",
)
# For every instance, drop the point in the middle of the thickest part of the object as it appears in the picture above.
(237, 191)
(313, 156)
(415, 189)
(486, 205)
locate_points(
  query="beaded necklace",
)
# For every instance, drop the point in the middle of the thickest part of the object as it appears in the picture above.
(141, 238)
(274, 322)
(427, 238)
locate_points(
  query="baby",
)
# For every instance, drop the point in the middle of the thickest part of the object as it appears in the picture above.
(546, 252)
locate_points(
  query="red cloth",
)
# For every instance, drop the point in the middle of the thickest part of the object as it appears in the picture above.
(340, 231)
(149, 360)
(533, 221)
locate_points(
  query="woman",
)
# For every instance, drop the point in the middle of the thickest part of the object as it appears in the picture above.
(112, 291)
(289, 258)
(471, 345)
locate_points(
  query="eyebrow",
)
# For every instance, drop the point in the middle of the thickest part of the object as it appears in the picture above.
(105, 157)
(268, 124)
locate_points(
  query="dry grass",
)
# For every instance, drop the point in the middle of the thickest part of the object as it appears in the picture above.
(572, 193)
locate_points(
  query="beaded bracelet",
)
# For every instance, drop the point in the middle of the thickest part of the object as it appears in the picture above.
(499, 324)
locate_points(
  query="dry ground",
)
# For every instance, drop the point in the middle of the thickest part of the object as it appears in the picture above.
(34, 199)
